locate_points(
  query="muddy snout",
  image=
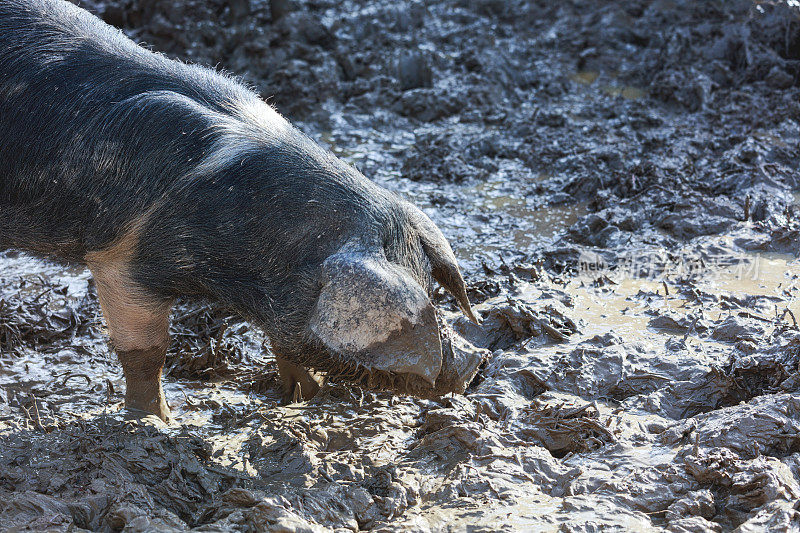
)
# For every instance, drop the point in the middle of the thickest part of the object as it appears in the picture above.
(414, 349)
(382, 326)
(427, 361)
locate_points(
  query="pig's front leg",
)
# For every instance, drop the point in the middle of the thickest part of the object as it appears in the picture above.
(143, 390)
(298, 383)
(138, 325)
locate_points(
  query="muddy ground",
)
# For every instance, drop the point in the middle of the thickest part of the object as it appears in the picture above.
(618, 180)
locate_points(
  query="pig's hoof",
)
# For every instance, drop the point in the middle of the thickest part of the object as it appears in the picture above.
(301, 389)
(298, 383)
(162, 413)
(132, 413)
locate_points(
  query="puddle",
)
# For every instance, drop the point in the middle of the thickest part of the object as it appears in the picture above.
(534, 222)
(776, 277)
(517, 222)
(585, 77)
(616, 309)
(626, 91)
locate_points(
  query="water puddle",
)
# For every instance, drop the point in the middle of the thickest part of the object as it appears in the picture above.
(519, 222)
(628, 92)
(613, 301)
(585, 77)
(773, 276)
(617, 309)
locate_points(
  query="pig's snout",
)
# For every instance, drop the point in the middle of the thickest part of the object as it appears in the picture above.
(413, 349)
(374, 314)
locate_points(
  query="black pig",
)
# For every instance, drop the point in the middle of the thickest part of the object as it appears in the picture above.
(168, 180)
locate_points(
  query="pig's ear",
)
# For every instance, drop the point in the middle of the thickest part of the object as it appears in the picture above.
(376, 314)
(444, 266)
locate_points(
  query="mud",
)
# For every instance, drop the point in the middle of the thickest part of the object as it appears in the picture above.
(619, 182)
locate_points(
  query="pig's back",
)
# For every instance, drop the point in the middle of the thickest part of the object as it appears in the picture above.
(94, 129)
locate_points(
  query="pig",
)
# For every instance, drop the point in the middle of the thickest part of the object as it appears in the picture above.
(171, 180)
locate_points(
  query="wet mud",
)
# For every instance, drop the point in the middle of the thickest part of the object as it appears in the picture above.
(619, 183)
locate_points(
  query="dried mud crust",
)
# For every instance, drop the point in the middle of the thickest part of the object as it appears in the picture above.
(658, 393)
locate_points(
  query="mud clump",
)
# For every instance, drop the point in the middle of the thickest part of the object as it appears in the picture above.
(563, 429)
(41, 315)
(210, 343)
(108, 476)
